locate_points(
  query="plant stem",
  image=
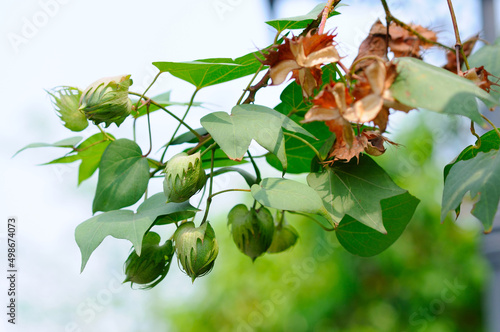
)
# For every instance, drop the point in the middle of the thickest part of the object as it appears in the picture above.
(253, 89)
(316, 221)
(473, 131)
(149, 100)
(209, 199)
(391, 18)
(458, 46)
(149, 132)
(492, 125)
(229, 190)
(179, 125)
(109, 138)
(208, 149)
(199, 145)
(249, 84)
(324, 16)
(255, 167)
(147, 89)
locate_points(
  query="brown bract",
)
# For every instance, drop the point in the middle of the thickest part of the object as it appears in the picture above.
(303, 56)
(480, 77)
(373, 97)
(370, 142)
(331, 106)
(369, 100)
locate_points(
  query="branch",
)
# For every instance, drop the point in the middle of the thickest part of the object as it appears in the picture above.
(316, 23)
(390, 18)
(459, 49)
(254, 88)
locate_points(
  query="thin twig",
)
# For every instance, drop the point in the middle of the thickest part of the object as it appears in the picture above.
(149, 100)
(209, 199)
(315, 24)
(492, 125)
(473, 131)
(249, 86)
(254, 88)
(459, 49)
(179, 125)
(149, 131)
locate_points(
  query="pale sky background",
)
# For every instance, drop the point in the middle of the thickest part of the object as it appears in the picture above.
(76, 42)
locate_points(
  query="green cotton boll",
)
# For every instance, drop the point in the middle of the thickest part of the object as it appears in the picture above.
(66, 100)
(106, 100)
(284, 238)
(252, 229)
(196, 248)
(184, 177)
(152, 266)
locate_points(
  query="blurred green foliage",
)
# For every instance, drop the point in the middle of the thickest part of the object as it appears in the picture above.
(432, 279)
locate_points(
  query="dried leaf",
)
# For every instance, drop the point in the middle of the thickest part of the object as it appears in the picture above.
(382, 119)
(404, 43)
(373, 45)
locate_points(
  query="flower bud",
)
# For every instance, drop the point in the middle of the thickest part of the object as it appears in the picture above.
(66, 101)
(252, 229)
(196, 248)
(106, 100)
(152, 266)
(184, 177)
(285, 237)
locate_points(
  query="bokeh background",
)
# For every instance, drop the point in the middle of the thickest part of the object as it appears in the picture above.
(433, 279)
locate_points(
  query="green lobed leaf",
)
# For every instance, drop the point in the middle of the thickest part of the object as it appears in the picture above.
(300, 22)
(289, 195)
(124, 224)
(489, 141)
(207, 72)
(487, 56)
(292, 101)
(421, 85)
(123, 176)
(89, 152)
(220, 160)
(481, 177)
(235, 132)
(65, 143)
(355, 189)
(364, 241)
(299, 156)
